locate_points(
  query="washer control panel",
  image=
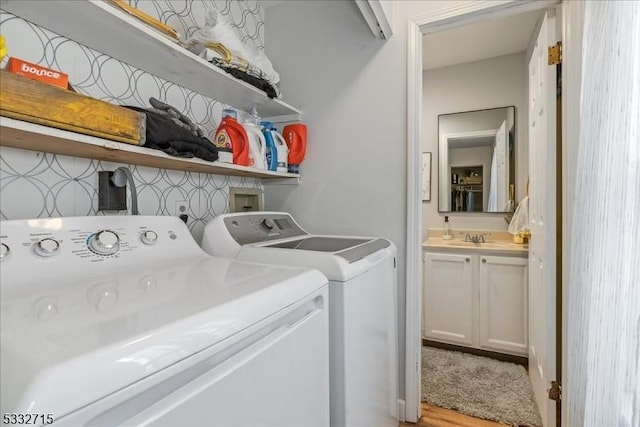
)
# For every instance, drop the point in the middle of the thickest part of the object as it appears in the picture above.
(254, 227)
(55, 246)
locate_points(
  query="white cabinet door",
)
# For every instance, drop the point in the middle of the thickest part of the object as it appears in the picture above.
(503, 304)
(449, 303)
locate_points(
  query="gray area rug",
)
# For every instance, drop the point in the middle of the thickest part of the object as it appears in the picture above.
(478, 386)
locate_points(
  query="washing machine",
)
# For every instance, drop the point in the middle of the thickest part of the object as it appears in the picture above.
(362, 277)
(124, 320)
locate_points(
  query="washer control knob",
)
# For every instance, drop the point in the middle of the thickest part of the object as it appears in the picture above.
(149, 237)
(105, 242)
(47, 247)
(4, 252)
(268, 223)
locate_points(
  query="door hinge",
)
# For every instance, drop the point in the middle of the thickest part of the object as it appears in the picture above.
(555, 392)
(555, 54)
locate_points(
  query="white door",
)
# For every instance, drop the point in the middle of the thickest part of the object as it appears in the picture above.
(503, 304)
(542, 216)
(449, 302)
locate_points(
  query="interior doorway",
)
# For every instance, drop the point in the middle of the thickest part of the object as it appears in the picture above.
(435, 23)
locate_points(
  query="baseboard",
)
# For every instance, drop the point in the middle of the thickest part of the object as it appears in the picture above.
(402, 413)
(520, 360)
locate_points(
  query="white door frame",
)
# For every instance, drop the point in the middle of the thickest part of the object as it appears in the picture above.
(572, 28)
(438, 20)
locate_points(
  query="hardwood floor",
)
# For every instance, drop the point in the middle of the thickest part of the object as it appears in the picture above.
(432, 416)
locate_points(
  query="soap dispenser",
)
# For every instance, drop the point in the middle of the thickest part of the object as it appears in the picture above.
(447, 235)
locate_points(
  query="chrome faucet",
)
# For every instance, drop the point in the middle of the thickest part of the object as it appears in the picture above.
(476, 238)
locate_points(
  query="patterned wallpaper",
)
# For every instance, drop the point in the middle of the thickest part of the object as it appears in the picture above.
(36, 184)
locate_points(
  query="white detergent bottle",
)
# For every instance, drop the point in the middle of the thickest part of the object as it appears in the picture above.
(282, 150)
(257, 145)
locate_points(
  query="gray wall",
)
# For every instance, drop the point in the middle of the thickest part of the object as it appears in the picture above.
(352, 89)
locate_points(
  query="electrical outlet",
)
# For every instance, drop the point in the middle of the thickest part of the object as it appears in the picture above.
(110, 197)
(181, 208)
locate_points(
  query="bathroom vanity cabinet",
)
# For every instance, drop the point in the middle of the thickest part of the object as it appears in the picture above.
(476, 299)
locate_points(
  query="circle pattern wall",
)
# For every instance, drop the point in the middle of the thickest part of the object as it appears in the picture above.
(34, 185)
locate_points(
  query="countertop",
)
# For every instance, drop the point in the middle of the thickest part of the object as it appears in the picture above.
(490, 247)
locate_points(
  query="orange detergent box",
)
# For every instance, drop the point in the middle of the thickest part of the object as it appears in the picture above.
(37, 72)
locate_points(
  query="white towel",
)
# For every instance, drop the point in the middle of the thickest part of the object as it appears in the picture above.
(520, 220)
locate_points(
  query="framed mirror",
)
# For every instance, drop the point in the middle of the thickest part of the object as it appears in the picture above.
(476, 166)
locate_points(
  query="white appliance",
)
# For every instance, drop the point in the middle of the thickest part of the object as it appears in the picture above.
(124, 320)
(362, 304)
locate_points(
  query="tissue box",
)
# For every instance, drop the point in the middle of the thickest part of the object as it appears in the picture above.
(37, 72)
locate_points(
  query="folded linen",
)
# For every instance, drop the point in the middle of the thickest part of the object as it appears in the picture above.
(218, 43)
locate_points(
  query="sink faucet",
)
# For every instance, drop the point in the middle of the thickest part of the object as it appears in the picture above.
(476, 238)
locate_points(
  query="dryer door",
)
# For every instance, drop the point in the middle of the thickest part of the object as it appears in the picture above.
(277, 375)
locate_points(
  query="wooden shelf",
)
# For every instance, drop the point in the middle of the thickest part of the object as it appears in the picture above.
(115, 33)
(30, 136)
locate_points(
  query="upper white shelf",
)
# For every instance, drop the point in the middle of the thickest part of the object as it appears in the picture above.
(113, 32)
(34, 137)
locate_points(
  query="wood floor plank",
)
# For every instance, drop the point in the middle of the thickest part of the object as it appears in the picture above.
(433, 416)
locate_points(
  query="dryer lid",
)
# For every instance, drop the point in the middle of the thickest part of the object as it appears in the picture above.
(320, 243)
(349, 248)
(68, 343)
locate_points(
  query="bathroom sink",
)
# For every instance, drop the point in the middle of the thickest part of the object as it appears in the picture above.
(456, 242)
(488, 245)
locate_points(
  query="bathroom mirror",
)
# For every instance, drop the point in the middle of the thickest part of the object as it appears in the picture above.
(476, 166)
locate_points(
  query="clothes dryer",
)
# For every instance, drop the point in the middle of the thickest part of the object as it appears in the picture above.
(362, 277)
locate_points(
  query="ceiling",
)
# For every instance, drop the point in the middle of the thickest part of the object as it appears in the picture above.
(482, 40)
(474, 142)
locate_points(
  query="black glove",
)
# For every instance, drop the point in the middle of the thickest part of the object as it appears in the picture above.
(163, 133)
(178, 118)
